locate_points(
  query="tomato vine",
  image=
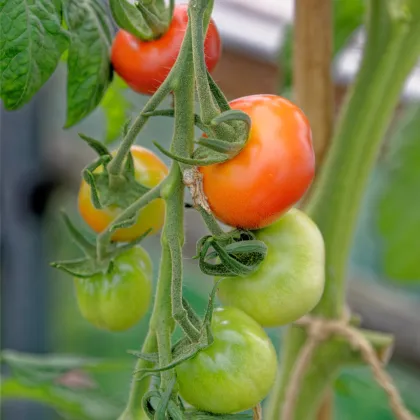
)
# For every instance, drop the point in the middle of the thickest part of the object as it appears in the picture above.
(252, 164)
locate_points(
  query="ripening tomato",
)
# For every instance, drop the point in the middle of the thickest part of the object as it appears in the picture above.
(290, 280)
(149, 171)
(117, 300)
(144, 65)
(271, 173)
(235, 372)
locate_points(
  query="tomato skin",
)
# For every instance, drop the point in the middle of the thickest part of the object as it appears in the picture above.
(236, 372)
(149, 171)
(116, 301)
(144, 65)
(290, 281)
(271, 173)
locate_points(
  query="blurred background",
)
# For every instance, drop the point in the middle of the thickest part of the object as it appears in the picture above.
(40, 173)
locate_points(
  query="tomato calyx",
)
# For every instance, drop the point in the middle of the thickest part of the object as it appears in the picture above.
(236, 253)
(110, 190)
(91, 264)
(145, 21)
(233, 127)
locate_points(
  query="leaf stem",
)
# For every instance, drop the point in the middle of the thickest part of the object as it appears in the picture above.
(115, 166)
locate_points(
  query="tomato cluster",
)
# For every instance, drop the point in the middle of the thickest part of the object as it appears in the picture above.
(254, 190)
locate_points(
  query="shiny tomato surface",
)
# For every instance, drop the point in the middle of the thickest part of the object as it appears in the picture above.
(271, 173)
(144, 65)
(235, 372)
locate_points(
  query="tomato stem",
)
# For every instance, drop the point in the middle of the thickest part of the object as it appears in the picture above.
(169, 300)
(116, 165)
(139, 388)
(211, 223)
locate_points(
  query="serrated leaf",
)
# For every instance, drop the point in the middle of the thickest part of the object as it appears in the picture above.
(116, 108)
(399, 203)
(89, 68)
(129, 18)
(31, 44)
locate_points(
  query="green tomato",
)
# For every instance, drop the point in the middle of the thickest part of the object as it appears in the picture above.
(236, 372)
(290, 281)
(117, 300)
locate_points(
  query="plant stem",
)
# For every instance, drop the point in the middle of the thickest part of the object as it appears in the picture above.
(208, 108)
(169, 290)
(391, 51)
(134, 408)
(211, 223)
(161, 321)
(115, 166)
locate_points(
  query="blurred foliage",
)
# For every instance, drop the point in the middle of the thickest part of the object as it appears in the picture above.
(117, 109)
(347, 17)
(399, 201)
(358, 396)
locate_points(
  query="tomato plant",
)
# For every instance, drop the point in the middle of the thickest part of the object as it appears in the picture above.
(235, 372)
(149, 171)
(117, 300)
(243, 192)
(289, 282)
(253, 162)
(144, 65)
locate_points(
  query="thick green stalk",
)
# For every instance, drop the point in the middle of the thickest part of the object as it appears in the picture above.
(134, 410)
(391, 51)
(172, 191)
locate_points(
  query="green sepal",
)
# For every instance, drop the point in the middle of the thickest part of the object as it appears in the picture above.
(171, 113)
(204, 415)
(166, 406)
(243, 247)
(232, 115)
(102, 195)
(228, 148)
(91, 265)
(218, 95)
(238, 254)
(83, 267)
(96, 145)
(191, 161)
(156, 24)
(149, 357)
(128, 17)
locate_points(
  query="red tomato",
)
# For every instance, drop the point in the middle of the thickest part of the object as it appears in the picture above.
(144, 65)
(271, 173)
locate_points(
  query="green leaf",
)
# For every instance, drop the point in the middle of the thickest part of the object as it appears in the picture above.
(89, 68)
(116, 109)
(61, 382)
(399, 203)
(80, 404)
(128, 17)
(31, 44)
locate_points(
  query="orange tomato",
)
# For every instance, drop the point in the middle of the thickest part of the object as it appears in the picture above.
(144, 65)
(271, 173)
(149, 171)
